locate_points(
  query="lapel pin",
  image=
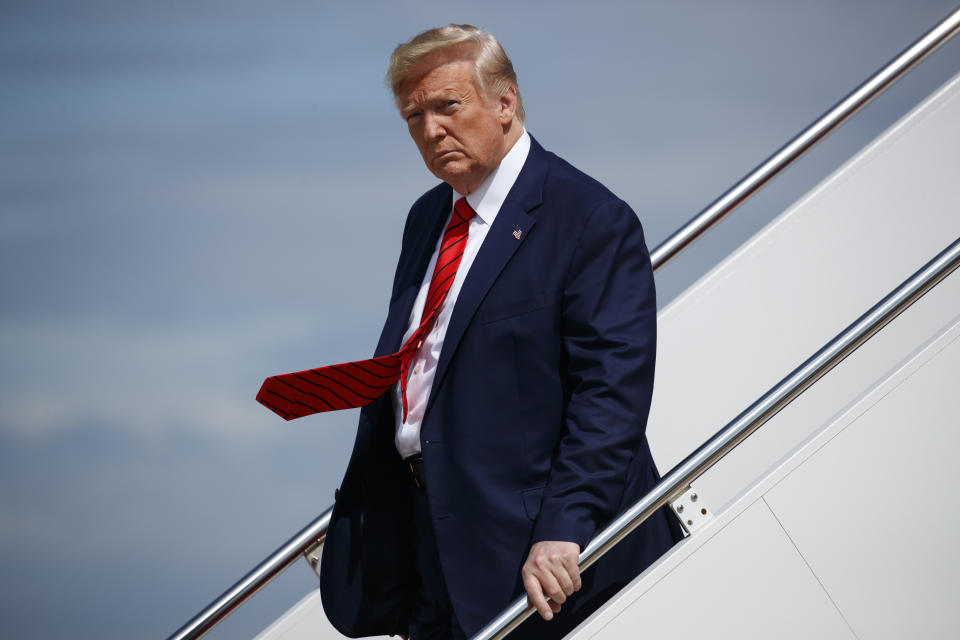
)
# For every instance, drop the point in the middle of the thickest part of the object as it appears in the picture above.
(517, 233)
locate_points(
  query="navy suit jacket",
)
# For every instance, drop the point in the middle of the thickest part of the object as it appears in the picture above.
(534, 428)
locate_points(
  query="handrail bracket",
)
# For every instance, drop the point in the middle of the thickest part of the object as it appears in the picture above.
(691, 510)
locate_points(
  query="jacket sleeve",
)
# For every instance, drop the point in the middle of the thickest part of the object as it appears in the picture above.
(608, 332)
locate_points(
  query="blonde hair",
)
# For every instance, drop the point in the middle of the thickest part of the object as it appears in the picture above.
(493, 69)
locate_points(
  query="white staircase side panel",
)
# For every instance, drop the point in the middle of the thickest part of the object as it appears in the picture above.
(303, 621)
(864, 507)
(773, 593)
(874, 515)
(799, 282)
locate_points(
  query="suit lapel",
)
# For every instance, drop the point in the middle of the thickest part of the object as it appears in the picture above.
(497, 249)
(411, 271)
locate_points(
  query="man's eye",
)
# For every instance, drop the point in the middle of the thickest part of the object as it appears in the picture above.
(413, 116)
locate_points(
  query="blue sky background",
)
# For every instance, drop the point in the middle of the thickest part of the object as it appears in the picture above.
(184, 190)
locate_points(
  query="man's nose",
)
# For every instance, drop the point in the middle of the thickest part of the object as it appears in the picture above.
(433, 128)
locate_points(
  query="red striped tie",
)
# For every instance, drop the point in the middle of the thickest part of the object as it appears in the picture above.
(354, 384)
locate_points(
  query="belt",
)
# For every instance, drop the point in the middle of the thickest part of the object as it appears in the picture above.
(415, 464)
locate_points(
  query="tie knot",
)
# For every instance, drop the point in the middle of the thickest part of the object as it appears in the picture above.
(463, 209)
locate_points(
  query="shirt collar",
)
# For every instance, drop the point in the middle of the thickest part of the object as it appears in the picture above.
(487, 199)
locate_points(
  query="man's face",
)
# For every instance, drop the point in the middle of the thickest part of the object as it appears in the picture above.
(459, 131)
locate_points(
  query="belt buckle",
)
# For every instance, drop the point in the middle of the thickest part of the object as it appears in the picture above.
(413, 462)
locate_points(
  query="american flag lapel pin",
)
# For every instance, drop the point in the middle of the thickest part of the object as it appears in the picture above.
(517, 233)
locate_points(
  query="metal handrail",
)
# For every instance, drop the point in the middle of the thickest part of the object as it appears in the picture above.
(806, 139)
(308, 537)
(675, 483)
(315, 532)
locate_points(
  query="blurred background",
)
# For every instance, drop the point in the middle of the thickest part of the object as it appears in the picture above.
(183, 190)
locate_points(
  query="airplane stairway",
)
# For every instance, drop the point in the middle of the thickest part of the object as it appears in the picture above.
(834, 520)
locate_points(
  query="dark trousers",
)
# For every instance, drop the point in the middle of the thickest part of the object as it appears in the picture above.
(432, 617)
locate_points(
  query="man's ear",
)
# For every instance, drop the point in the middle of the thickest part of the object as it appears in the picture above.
(508, 105)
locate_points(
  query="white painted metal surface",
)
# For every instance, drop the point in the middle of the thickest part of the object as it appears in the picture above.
(303, 621)
(885, 546)
(775, 595)
(770, 553)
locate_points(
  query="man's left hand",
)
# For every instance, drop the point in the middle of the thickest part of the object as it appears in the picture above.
(551, 570)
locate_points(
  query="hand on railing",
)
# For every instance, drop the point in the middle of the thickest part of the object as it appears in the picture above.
(551, 570)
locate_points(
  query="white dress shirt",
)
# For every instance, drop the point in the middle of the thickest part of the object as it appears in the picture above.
(486, 201)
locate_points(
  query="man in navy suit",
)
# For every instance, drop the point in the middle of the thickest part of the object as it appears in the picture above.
(522, 431)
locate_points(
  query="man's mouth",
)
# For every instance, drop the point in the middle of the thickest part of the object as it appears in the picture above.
(441, 154)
